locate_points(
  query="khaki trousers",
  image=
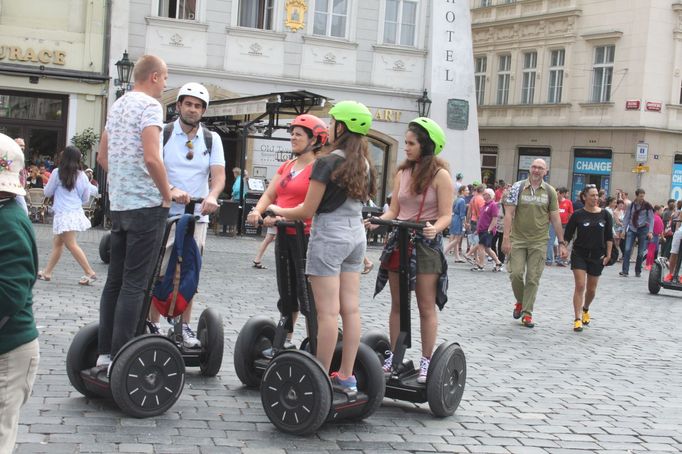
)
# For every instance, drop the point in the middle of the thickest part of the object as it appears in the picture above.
(526, 264)
(17, 372)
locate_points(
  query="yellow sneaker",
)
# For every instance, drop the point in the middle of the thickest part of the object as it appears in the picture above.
(586, 317)
(577, 325)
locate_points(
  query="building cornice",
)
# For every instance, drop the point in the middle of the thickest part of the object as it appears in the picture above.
(298, 83)
(176, 23)
(578, 128)
(399, 50)
(529, 19)
(601, 36)
(330, 42)
(523, 106)
(255, 33)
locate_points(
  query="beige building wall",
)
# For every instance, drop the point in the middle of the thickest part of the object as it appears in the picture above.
(646, 69)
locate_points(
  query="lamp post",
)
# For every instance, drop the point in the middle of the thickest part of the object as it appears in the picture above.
(125, 69)
(424, 104)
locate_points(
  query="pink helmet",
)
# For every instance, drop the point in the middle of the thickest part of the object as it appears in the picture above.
(316, 126)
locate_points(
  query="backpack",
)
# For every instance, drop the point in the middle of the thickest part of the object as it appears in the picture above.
(173, 293)
(208, 137)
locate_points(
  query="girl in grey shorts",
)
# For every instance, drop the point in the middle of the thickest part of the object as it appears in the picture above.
(339, 182)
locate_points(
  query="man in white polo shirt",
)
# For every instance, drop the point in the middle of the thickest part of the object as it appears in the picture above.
(190, 162)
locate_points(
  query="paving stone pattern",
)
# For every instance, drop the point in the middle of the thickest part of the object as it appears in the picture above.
(614, 388)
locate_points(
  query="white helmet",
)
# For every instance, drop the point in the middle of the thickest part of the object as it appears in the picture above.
(194, 89)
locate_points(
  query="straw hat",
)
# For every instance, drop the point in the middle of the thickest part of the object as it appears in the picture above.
(11, 164)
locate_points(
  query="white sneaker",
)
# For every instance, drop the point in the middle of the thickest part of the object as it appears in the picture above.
(189, 339)
(423, 369)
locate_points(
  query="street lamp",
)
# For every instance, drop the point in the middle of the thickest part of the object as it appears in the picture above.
(424, 104)
(125, 69)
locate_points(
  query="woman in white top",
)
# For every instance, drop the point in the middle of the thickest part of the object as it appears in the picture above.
(71, 189)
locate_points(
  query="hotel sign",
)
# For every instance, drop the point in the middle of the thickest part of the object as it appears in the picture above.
(30, 55)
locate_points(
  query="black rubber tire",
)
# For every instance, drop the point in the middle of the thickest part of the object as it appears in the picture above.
(446, 379)
(369, 374)
(82, 355)
(256, 335)
(147, 376)
(210, 333)
(655, 278)
(378, 342)
(105, 248)
(296, 393)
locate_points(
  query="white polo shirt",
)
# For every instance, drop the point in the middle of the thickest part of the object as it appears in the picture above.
(191, 175)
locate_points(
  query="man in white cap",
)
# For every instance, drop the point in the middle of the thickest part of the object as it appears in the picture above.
(19, 353)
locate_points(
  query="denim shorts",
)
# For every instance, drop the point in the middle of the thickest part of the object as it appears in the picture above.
(337, 245)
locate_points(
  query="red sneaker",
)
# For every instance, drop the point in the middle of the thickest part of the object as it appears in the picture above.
(527, 321)
(668, 277)
(517, 311)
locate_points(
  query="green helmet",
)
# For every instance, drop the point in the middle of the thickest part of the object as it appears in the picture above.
(434, 131)
(354, 115)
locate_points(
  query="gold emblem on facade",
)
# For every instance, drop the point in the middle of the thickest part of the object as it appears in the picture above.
(295, 18)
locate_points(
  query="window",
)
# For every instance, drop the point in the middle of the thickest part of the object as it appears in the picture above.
(330, 18)
(479, 76)
(530, 63)
(602, 73)
(178, 9)
(503, 78)
(256, 14)
(400, 23)
(485, 3)
(556, 76)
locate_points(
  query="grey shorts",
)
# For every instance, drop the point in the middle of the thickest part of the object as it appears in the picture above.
(337, 245)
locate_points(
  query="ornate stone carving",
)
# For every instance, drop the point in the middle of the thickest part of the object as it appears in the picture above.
(175, 40)
(255, 49)
(399, 66)
(329, 59)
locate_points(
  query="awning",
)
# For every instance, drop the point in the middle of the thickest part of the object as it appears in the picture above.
(279, 103)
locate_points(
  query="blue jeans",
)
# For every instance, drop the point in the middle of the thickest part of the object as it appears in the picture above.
(550, 244)
(136, 237)
(643, 242)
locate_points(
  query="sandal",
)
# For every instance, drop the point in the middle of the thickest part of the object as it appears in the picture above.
(368, 268)
(42, 277)
(87, 280)
(259, 265)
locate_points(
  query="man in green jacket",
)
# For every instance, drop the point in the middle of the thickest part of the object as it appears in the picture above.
(19, 354)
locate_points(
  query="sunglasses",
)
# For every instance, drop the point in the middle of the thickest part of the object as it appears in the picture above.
(190, 150)
(590, 186)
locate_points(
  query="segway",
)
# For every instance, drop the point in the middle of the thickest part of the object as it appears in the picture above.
(147, 374)
(296, 393)
(657, 274)
(447, 370)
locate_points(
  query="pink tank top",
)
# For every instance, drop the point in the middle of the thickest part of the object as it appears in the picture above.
(410, 202)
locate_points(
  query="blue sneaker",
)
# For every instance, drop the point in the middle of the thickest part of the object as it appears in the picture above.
(346, 385)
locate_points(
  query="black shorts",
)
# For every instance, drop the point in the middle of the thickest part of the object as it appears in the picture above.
(486, 238)
(582, 261)
(291, 273)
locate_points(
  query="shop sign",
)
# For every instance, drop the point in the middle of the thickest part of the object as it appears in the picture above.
(676, 189)
(592, 166)
(387, 115)
(641, 152)
(654, 106)
(632, 104)
(28, 54)
(525, 161)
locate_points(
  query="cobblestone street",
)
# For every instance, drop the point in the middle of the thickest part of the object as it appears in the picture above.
(616, 387)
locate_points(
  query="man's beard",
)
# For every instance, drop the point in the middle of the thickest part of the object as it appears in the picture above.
(184, 120)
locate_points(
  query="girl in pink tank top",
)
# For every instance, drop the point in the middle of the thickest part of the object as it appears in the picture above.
(424, 194)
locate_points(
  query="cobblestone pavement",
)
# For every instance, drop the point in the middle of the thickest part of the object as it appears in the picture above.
(616, 387)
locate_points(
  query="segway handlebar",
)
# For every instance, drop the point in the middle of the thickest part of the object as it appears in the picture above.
(397, 223)
(270, 214)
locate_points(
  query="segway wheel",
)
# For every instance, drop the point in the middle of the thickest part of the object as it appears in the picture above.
(655, 278)
(212, 337)
(378, 342)
(446, 380)
(369, 374)
(296, 393)
(147, 376)
(82, 355)
(256, 335)
(105, 248)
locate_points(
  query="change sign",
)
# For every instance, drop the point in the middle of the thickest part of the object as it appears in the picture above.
(676, 189)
